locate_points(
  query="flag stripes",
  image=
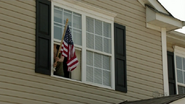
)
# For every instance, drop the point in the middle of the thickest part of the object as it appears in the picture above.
(68, 50)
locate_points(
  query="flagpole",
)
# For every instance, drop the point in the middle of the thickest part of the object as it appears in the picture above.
(61, 41)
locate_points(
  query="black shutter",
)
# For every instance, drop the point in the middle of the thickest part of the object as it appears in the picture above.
(120, 58)
(171, 73)
(43, 37)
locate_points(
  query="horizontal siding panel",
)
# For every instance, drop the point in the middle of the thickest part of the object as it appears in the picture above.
(20, 100)
(17, 21)
(17, 57)
(140, 96)
(144, 67)
(145, 38)
(19, 81)
(50, 93)
(133, 4)
(143, 57)
(31, 96)
(33, 78)
(55, 91)
(17, 45)
(139, 46)
(17, 27)
(115, 9)
(17, 51)
(144, 87)
(17, 15)
(143, 52)
(8, 102)
(144, 77)
(144, 82)
(18, 33)
(143, 62)
(143, 43)
(138, 29)
(140, 91)
(30, 2)
(46, 95)
(134, 31)
(132, 20)
(17, 39)
(17, 9)
(126, 7)
(20, 4)
(146, 72)
(17, 63)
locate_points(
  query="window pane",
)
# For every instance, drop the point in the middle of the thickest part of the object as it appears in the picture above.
(58, 31)
(100, 66)
(107, 29)
(184, 77)
(76, 74)
(184, 63)
(97, 76)
(97, 60)
(90, 41)
(77, 37)
(181, 89)
(68, 14)
(106, 78)
(179, 76)
(107, 45)
(89, 58)
(179, 62)
(77, 22)
(98, 43)
(58, 15)
(98, 27)
(90, 25)
(89, 74)
(106, 62)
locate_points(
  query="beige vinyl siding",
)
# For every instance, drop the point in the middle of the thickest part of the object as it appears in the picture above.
(175, 40)
(20, 83)
(144, 56)
(170, 47)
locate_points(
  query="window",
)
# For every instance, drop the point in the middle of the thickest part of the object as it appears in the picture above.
(180, 69)
(96, 49)
(94, 35)
(75, 23)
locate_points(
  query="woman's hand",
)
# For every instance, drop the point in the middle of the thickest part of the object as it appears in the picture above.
(55, 64)
(56, 59)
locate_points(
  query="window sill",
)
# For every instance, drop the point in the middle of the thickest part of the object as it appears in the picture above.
(85, 83)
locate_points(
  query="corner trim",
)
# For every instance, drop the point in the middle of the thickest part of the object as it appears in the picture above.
(164, 61)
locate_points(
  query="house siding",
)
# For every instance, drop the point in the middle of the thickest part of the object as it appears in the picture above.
(20, 83)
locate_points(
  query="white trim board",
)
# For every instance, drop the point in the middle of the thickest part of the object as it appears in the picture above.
(164, 60)
(85, 8)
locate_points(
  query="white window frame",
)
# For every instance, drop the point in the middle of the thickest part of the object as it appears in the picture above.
(178, 51)
(68, 5)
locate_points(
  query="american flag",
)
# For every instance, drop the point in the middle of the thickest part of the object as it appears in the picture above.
(68, 50)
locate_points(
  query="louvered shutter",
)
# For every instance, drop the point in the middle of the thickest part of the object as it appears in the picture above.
(120, 58)
(43, 37)
(171, 73)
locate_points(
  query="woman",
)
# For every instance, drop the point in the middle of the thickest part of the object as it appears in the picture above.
(58, 62)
